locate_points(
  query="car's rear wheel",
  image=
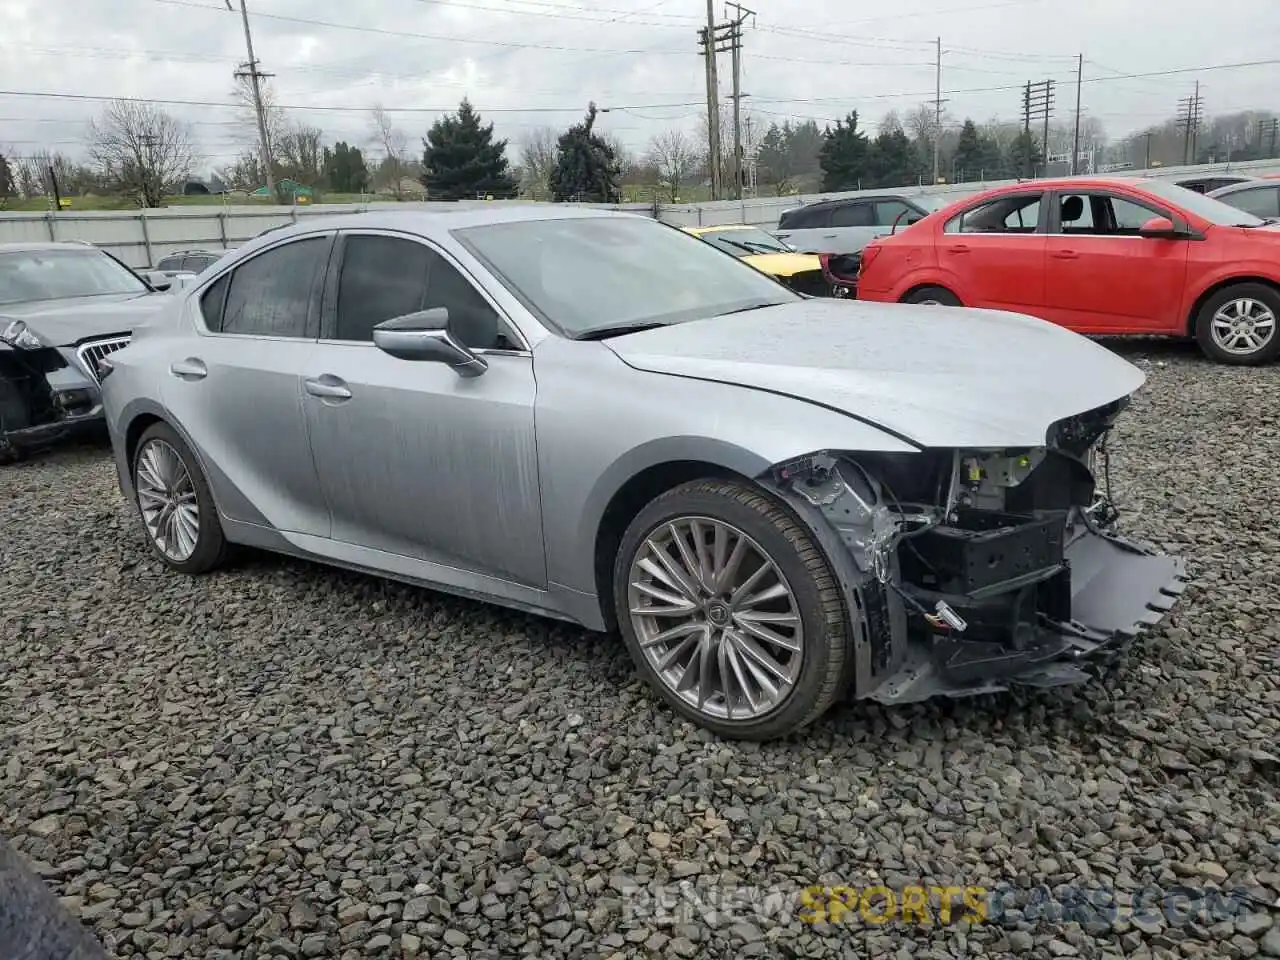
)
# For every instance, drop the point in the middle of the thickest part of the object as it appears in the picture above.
(174, 503)
(933, 297)
(1238, 325)
(730, 610)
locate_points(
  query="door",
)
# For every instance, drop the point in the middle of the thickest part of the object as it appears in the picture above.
(1101, 277)
(993, 253)
(414, 459)
(237, 387)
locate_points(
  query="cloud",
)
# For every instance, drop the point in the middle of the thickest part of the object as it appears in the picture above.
(532, 63)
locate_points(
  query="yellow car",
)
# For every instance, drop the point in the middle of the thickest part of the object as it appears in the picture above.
(800, 271)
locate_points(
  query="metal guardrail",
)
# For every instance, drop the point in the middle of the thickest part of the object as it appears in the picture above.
(141, 238)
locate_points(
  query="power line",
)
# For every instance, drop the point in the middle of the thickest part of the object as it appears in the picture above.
(330, 108)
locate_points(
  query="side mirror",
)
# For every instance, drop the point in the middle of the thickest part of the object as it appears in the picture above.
(1159, 228)
(425, 336)
(156, 279)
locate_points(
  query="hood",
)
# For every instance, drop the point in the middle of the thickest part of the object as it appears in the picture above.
(63, 323)
(938, 376)
(784, 264)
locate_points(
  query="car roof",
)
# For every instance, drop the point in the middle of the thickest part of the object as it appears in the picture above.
(433, 223)
(35, 246)
(861, 198)
(1253, 183)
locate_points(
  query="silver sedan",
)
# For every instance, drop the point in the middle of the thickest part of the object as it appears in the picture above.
(776, 500)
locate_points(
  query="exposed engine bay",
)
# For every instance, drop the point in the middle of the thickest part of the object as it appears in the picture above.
(980, 568)
(41, 395)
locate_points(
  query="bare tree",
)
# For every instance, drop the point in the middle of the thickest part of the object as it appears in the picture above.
(141, 150)
(394, 146)
(921, 123)
(890, 123)
(298, 152)
(537, 157)
(275, 119)
(676, 159)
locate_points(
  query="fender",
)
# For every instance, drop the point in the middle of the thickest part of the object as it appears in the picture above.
(1243, 271)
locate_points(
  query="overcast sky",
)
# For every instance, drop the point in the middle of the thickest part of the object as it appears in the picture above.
(528, 63)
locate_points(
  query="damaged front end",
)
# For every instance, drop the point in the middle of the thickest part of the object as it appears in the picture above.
(45, 394)
(969, 571)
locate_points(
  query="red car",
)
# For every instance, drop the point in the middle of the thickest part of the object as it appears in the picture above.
(1098, 256)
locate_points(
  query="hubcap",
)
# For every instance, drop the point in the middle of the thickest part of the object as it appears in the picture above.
(716, 618)
(1243, 326)
(167, 500)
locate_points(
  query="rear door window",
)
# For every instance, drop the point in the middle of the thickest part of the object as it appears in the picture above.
(806, 218)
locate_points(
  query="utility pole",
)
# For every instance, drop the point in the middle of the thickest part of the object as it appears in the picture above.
(937, 109)
(1075, 139)
(255, 77)
(735, 37)
(1037, 102)
(1149, 134)
(1189, 116)
(708, 35)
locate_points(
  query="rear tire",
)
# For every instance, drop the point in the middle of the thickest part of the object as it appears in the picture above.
(775, 624)
(168, 484)
(1240, 325)
(933, 296)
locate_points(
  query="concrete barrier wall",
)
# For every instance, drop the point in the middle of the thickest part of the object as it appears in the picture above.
(141, 238)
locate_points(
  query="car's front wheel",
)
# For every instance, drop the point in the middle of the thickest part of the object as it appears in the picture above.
(1238, 325)
(174, 502)
(731, 611)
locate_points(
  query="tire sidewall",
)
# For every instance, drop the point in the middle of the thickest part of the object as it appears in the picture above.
(820, 635)
(210, 542)
(1204, 323)
(943, 296)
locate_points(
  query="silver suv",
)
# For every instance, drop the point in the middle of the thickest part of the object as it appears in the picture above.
(846, 226)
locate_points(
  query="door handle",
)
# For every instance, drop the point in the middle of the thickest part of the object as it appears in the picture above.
(1065, 255)
(327, 387)
(957, 248)
(192, 368)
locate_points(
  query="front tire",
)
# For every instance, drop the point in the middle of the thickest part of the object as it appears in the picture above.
(174, 503)
(14, 415)
(1238, 325)
(933, 297)
(730, 610)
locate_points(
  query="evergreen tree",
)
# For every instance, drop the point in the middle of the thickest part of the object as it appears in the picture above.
(344, 169)
(1024, 155)
(586, 167)
(843, 156)
(461, 160)
(891, 161)
(969, 153)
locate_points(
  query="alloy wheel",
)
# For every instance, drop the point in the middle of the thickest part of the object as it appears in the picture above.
(716, 618)
(167, 500)
(1243, 326)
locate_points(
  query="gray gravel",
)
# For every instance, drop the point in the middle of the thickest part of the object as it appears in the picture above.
(282, 760)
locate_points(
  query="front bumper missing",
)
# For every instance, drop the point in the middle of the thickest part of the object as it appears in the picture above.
(1117, 589)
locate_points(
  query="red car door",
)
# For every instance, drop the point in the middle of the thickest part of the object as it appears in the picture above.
(992, 255)
(1101, 277)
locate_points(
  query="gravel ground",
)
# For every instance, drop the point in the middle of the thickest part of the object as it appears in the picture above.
(282, 760)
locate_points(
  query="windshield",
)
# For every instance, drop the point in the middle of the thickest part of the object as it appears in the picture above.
(28, 276)
(591, 273)
(1206, 208)
(743, 243)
